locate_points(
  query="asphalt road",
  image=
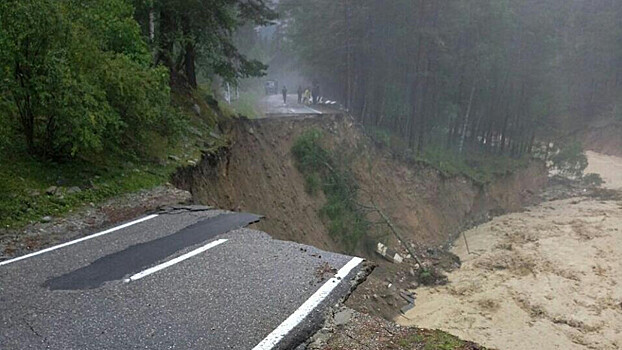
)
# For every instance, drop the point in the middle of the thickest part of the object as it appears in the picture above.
(273, 106)
(179, 280)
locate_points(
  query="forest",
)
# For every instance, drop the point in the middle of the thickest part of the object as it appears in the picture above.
(89, 76)
(94, 90)
(485, 75)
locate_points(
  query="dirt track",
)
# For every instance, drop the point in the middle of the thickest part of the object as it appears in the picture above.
(547, 278)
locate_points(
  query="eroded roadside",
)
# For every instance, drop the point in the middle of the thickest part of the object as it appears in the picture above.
(86, 220)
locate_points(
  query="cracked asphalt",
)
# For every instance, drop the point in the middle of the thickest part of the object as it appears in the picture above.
(228, 297)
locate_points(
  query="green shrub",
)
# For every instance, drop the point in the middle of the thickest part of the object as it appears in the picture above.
(346, 222)
(570, 160)
(79, 78)
(313, 183)
(592, 179)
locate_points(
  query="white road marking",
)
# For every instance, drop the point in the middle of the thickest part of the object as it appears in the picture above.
(172, 262)
(6, 262)
(306, 308)
(314, 110)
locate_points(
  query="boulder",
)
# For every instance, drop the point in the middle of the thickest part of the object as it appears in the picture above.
(51, 190)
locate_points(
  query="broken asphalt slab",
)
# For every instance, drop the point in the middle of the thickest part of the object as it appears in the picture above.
(232, 296)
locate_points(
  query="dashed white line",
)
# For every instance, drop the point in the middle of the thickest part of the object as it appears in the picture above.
(306, 308)
(314, 110)
(6, 262)
(172, 262)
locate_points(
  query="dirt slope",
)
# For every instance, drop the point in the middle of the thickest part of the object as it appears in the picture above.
(258, 174)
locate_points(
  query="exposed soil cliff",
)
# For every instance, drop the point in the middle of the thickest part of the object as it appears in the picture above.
(257, 173)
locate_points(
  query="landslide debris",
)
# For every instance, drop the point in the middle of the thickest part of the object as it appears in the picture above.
(348, 329)
(258, 173)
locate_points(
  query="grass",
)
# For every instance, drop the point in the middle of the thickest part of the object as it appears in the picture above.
(322, 171)
(24, 179)
(434, 340)
(480, 167)
(247, 105)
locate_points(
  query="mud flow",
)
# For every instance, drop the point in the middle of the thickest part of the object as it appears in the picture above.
(546, 278)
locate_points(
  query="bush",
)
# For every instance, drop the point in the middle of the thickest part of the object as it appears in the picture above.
(346, 222)
(592, 179)
(570, 160)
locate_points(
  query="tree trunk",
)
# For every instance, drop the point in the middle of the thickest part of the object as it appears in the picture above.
(189, 54)
(189, 65)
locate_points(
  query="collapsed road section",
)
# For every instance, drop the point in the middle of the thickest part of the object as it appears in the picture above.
(196, 279)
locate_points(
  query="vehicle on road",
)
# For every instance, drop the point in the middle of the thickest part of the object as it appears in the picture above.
(271, 87)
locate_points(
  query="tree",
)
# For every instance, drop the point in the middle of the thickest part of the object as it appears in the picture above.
(79, 77)
(483, 75)
(200, 32)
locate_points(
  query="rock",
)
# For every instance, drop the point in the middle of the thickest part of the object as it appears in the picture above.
(173, 158)
(412, 272)
(34, 193)
(251, 131)
(388, 253)
(51, 190)
(192, 163)
(46, 219)
(414, 285)
(194, 131)
(73, 190)
(343, 317)
(196, 109)
(406, 308)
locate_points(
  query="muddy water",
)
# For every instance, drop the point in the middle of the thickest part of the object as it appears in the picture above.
(609, 168)
(546, 278)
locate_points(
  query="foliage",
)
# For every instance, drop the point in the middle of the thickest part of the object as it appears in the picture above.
(247, 105)
(24, 180)
(480, 167)
(78, 76)
(592, 179)
(487, 74)
(188, 32)
(570, 160)
(347, 223)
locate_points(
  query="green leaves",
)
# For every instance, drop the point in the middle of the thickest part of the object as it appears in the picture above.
(322, 170)
(78, 77)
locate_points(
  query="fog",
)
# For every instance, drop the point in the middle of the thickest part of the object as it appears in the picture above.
(492, 76)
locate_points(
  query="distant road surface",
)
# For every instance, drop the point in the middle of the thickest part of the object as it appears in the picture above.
(182, 279)
(273, 106)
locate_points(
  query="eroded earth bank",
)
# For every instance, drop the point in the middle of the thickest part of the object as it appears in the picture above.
(257, 173)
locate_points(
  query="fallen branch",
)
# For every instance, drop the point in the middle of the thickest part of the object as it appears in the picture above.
(389, 223)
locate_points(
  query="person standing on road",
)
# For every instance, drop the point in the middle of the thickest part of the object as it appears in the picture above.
(284, 91)
(316, 93)
(299, 94)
